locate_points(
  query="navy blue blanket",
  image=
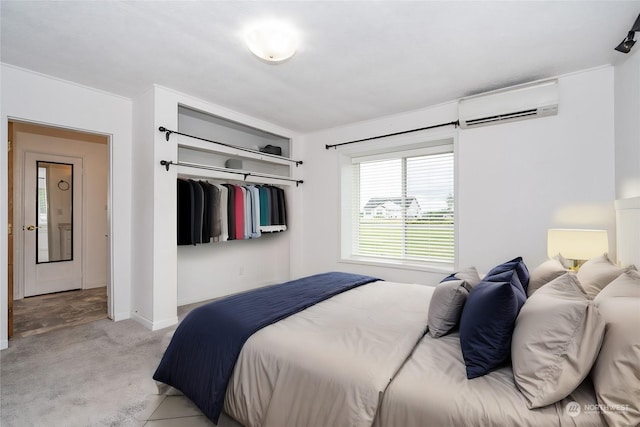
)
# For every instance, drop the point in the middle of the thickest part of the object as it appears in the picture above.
(203, 352)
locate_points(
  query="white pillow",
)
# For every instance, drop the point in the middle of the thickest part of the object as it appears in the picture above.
(446, 307)
(545, 273)
(448, 301)
(556, 340)
(598, 272)
(616, 373)
(469, 275)
(625, 285)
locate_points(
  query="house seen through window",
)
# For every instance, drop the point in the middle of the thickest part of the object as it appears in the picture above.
(403, 206)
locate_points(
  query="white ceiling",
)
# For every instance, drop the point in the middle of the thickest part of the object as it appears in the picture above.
(357, 61)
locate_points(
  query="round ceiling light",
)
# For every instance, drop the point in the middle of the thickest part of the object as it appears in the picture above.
(272, 41)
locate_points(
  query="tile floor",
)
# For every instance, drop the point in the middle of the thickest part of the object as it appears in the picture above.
(179, 411)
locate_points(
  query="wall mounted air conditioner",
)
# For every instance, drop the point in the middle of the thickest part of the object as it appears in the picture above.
(508, 105)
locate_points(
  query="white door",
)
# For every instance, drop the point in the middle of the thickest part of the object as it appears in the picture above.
(52, 210)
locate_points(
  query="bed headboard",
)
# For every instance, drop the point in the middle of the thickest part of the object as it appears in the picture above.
(628, 231)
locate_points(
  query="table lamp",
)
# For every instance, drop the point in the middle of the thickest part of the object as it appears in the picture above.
(577, 245)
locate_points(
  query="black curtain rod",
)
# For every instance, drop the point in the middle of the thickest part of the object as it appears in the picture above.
(456, 123)
(169, 132)
(168, 163)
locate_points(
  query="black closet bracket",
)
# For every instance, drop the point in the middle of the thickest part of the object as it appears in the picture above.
(167, 163)
(164, 129)
(168, 133)
(455, 123)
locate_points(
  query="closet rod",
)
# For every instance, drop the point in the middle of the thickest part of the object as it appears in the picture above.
(249, 150)
(456, 123)
(168, 163)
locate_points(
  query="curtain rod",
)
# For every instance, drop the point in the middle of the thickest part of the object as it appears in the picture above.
(168, 163)
(249, 150)
(456, 123)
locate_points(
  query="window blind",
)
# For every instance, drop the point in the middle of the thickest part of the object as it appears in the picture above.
(403, 206)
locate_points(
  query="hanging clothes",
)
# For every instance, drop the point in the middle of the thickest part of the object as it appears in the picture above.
(211, 214)
(246, 232)
(239, 213)
(215, 215)
(209, 200)
(223, 232)
(282, 207)
(185, 210)
(255, 211)
(264, 205)
(231, 211)
(273, 206)
(198, 211)
(221, 212)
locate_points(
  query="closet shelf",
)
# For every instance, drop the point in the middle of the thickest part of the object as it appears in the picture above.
(202, 144)
(215, 172)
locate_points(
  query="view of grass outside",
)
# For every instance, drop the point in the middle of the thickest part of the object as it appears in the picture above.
(420, 239)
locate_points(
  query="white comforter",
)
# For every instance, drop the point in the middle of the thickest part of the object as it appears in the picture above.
(329, 364)
(432, 389)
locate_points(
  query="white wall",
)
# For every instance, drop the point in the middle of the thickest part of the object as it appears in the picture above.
(142, 206)
(627, 126)
(515, 180)
(95, 157)
(32, 97)
(519, 179)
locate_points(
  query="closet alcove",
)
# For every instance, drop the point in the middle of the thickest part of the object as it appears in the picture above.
(166, 275)
(213, 269)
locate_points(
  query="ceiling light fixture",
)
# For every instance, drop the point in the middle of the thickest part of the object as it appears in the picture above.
(273, 41)
(628, 42)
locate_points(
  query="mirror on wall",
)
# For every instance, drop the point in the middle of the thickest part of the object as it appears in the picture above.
(54, 208)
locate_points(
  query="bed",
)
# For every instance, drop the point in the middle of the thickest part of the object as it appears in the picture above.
(356, 354)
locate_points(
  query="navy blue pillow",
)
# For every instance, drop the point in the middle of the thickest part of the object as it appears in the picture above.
(515, 264)
(488, 320)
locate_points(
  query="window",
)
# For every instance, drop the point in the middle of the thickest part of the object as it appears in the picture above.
(402, 206)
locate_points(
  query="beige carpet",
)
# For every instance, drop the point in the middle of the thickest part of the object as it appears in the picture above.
(96, 374)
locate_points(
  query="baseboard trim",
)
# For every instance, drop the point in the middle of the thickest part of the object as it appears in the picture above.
(4, 344)
(121, 316)
(142, 320)
(164, 323)
(154, 326)
(225, 292)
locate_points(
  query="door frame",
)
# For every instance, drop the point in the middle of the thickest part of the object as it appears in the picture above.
(19, 261)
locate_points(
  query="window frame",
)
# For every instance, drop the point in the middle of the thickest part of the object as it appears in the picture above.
(393, 148)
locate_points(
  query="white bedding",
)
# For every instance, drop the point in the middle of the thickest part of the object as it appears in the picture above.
(329, 364)
(432, 390)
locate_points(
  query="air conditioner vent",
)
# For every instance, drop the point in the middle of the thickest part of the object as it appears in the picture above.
(508, 105)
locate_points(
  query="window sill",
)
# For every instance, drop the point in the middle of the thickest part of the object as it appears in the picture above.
(403, 265)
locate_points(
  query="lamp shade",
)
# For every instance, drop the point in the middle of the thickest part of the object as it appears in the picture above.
(577, 244)
(273, 41)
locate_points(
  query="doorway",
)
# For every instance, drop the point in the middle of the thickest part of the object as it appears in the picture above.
(60, 223)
